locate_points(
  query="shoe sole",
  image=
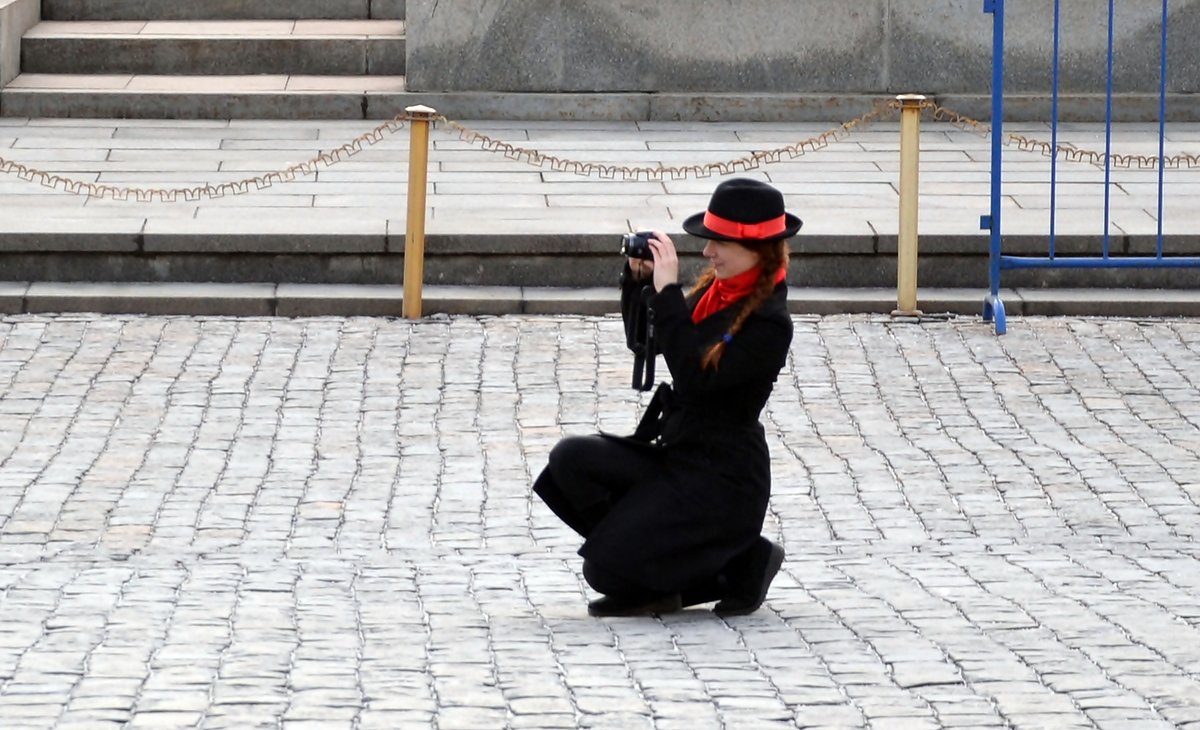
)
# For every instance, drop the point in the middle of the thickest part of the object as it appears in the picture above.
(667, 604)
(774, 563)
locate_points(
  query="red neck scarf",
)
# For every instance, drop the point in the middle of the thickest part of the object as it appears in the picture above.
(725, 292)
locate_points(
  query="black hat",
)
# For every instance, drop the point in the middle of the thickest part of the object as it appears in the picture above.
(744, 211)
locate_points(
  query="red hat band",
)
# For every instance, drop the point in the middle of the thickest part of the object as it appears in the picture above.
(751, 231)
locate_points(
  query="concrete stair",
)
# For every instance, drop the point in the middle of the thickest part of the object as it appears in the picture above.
(228, 9)
(299, 59)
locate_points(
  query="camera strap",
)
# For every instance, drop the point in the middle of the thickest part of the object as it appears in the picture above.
(657, 411)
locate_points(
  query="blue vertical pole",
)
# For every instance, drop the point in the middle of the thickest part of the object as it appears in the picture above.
(1054, 126)
(1108, 123)
(1162, 130)
(994, 307)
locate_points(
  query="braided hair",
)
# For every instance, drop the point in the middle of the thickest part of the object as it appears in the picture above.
(773, 256)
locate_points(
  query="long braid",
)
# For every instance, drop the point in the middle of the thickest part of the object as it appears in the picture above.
(773, 257)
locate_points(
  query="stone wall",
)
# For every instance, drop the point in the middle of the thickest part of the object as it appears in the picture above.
(16, 17)
(819, 47)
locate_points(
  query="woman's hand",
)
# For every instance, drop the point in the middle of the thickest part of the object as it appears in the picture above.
(666, 261)
(641, 269)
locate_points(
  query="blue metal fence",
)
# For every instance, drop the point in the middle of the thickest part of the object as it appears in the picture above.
(993, 308)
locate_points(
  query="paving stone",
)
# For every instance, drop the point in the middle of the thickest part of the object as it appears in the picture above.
(324, 522)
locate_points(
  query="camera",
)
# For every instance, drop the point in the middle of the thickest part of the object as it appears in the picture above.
(637, 245)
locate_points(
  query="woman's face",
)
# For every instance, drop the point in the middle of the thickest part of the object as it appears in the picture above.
(730, 259)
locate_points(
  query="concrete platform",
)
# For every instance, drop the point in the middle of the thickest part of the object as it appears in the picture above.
(524, 238)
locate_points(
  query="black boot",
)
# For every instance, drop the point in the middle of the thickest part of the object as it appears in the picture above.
(713, 589)
(748, 587)
(634, 606)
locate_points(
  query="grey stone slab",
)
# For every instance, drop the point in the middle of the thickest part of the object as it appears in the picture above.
(100, 131)
(824, 300)
(545, 45)
(308, 147)
(516, 219)
(385, 56)
(16, 18)
(212, 55)
(472, 300)
(61, 233)
(170, 180)
(78, 210)
(837, 240)
(1182, 238)
(591, 302)
(64, 167)
(207, 10)
(66, 143)
(36, 103)
(389, 205)
(490, 105)
(766, 107)
(388, 9)
(152, 298)
(269, 159)
(1106, 302)
(266, 236)
(930, 243)
(12, 297)
(327, 300)
(69, 123)
(275, 132)
(583, 187)
(56, 155)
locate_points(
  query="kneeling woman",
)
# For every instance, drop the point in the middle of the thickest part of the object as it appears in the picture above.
(672, 515)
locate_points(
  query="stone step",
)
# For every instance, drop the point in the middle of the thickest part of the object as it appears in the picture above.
(220, 9)
(137, 96)
(324, 300)
(382, 97)
(308, 47)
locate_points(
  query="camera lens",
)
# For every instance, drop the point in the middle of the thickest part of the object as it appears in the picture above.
(636, 246)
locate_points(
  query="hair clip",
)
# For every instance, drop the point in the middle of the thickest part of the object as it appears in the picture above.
(728, 337)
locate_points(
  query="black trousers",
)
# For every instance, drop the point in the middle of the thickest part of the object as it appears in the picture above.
(588, 475)
(592, 473)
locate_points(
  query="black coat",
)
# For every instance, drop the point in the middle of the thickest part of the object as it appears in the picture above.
(709, 502)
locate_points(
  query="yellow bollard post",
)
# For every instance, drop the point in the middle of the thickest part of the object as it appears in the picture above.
(414, 236)
(906, 254)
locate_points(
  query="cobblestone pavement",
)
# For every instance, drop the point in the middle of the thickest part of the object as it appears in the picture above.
(245, 523)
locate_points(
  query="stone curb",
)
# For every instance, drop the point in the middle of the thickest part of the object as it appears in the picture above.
(534, 106)
(339, 235)
(318, 300)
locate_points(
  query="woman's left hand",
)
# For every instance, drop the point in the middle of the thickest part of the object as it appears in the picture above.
(666, 261)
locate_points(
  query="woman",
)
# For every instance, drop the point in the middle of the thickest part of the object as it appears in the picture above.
(672, 515)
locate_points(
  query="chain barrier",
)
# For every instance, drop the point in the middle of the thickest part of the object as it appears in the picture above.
(753, 161)
(241, 187)
(660, 172)
(1066, 151)
(488, 144)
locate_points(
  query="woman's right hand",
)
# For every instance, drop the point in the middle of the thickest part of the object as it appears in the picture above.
(641, 269)
(666, 261)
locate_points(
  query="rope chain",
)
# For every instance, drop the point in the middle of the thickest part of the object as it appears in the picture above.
(753, 161)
